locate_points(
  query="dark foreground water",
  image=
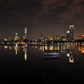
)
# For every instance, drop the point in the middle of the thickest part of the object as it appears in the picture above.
(33, 65)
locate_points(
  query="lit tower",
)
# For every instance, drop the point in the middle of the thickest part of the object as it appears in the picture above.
(71, 28)
(25, 32)
(70, 33)
(25, 35)
(16, 38)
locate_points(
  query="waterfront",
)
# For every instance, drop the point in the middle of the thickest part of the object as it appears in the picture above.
(20, 63)
(41, 41)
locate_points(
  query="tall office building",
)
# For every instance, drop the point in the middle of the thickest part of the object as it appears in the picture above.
(70, 33)
(25, 35)
(25, 31)
(16, 38)
(42, 38)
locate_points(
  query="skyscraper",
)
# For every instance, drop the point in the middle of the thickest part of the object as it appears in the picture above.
(16, 38)
(70, 33)
(25, 35)
(25, 32)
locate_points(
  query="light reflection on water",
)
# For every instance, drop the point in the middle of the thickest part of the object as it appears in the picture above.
(45, 62)
(50, 51)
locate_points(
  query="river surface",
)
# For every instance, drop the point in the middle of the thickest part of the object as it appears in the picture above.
(42, 64)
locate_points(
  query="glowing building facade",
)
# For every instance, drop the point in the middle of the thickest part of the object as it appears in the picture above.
(81, 37)
(16, 38)
(25, 31)
(42, 38)
(25, 34)
(56, 38)
(63, 37)
(70, 33)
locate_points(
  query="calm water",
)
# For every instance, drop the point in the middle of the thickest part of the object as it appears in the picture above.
(63, 62)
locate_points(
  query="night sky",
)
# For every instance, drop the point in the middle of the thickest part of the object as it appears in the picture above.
(46, 17)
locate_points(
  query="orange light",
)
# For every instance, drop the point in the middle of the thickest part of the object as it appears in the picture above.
(71, 61)
(82, 49)
(75, 44)
(82, 35)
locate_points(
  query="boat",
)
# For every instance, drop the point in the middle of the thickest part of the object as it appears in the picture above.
(51, 55)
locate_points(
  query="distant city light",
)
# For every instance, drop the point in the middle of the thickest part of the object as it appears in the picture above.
(82, 35)
(25, 30)
(82, 49)
(68, 32)
(71, 26)
(16, 52)
(16, 34)
(68, 54)
(16, 45)
(71, 60)
(5, 47)
(25, 56)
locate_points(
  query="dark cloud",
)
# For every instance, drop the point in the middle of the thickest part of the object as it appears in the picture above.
(57, 10)
(61, 11)
(75, 14)
(9, 3)
(40, 12)
(39, 8)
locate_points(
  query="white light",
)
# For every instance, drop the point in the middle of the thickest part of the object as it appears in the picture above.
(16, 44)
(16, 52)
(68, 32)
(68, 54)
(16, 34)
(25, 30)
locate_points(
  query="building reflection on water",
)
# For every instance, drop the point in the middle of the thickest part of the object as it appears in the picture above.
(50, 51)
(81, 48)
(57, 49)
(25, 52)
(16, 48)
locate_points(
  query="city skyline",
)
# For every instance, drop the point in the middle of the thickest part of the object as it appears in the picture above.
(24, 34)
(41, 17)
